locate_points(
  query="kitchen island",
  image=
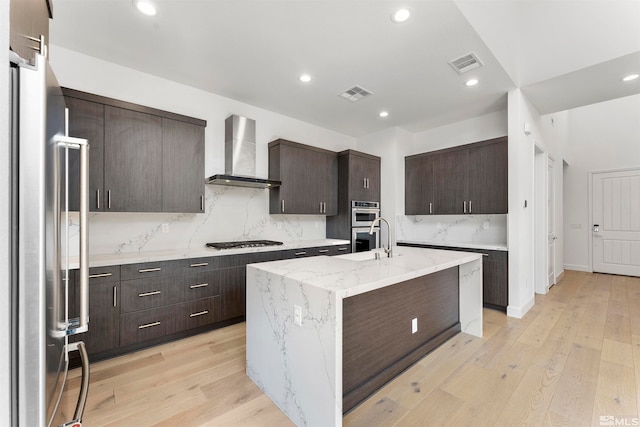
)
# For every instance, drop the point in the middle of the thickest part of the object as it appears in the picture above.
(324, 333)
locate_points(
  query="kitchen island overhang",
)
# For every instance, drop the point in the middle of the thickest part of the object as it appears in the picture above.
(297, 358)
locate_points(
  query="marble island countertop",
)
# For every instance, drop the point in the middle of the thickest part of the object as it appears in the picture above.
(103, 260)
(353, 274)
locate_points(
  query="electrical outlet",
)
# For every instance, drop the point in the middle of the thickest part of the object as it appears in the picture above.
(485, 225)
(414, 325)
(438, 225)
(165, 227)
(297, 315)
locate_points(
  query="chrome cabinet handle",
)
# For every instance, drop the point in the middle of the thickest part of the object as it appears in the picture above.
(485, 255)
(469, 206)
(465, 207)
(282, 205)
(201, 264)
(98, 198)
(200, 285)
(300, 253)
(200, 313)
(108, 199)
(343, 249)
(323, 251)
(115, 296)
(430, 207)
(149, 270)
(320, 207)
(148, 294)
(149, 325)
(95, 276)
(202, 202)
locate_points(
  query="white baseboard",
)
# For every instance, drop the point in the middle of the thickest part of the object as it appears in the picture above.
(577, 267)
(519, 312)
(559, 276)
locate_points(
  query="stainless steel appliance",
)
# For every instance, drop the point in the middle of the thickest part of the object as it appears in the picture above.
(362, 240)
(364, 213)
(40, 150)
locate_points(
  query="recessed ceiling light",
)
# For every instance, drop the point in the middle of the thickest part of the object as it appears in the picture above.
(384, 113)
(631, 77)
(400, 15)
(145, 6)
(471, 82)
(305, 78)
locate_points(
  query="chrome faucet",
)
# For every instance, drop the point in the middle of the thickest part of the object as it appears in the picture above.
(388, 250)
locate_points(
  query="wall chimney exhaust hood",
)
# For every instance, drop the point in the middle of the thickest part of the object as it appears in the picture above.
(240, 156)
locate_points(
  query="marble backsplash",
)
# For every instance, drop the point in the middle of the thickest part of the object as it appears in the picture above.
(232, 213)
(487, 229)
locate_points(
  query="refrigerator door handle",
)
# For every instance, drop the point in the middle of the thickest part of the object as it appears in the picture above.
(84, 384)
(82, 324)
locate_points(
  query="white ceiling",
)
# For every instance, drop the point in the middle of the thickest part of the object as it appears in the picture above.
(254, 51)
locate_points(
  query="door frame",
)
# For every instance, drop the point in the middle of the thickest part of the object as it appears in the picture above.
(551, 220)
(590, 202)
(541, 226)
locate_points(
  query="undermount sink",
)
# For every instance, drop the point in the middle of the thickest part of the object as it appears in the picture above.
(364, 256)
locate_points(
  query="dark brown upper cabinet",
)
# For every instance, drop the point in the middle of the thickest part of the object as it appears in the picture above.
(141, 159)
(309, 178)
(469, 179)
(359, 176)
(29, 19)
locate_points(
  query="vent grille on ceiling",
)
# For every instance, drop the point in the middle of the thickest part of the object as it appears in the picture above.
(356, 93)
(466, 63)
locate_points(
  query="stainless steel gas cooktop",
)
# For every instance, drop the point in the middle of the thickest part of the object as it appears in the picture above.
(243, 244)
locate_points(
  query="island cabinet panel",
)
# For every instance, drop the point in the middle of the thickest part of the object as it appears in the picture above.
(378, 342)
(309, 177)
(468, 179)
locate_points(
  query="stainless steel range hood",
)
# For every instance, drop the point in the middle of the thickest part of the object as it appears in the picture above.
(240, 156)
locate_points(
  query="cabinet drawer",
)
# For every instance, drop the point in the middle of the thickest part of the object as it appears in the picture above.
(195, 265)
(200, 285)
(148, 293)
(99, 275)
(197, 313)
(298, 253)
(146, 325)
(150, 269)
(341, 250)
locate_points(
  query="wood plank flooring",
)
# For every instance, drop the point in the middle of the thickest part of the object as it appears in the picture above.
(574, 358)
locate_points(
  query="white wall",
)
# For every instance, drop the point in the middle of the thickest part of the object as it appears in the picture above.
(603, 136)
(231, 213)
(5, 308)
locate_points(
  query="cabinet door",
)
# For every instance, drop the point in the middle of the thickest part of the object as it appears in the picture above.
(495, 279)
(326, 182)
(232, 292)
(418, 185)
(132, 161)
(297, 181)
(28, 18)
(104, 316)
(364, 178)
(450, 174)
(182, 167)
(86, 120)
(488, 180)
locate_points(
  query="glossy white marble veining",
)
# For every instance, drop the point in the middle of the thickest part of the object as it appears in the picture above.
(300, 367)
(473, 231)
(231, 214)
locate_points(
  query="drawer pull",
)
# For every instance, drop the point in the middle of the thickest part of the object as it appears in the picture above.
(201, 264)
(343, 249)
(149, 270)
(149, 325)
(200, 313)
(201, 285)
(300, 253)
(148, 294)
(485, 254)
(115, 296)
(95, 276)
(323, 251)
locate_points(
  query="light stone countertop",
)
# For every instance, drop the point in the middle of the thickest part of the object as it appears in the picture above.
(486, 246)
(357, 273)
(103, 260)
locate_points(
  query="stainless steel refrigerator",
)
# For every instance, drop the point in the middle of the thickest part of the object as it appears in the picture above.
(40, 328)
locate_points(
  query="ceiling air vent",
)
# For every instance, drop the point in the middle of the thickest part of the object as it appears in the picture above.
(355, 94)
(465, 63)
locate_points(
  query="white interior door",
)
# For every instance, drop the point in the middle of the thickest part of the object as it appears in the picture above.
(551, 253)
(616, 222)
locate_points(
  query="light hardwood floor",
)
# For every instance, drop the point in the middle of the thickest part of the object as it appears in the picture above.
(573, 358)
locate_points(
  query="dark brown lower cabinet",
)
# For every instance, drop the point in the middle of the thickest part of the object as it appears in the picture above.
(495, 274)
(233, 292)
(147, 324)
(198, 313)
(104, 318)
(378, 340)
